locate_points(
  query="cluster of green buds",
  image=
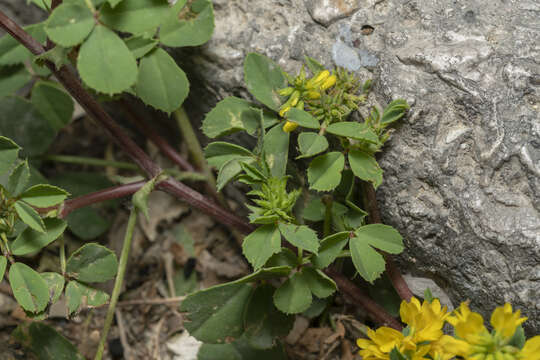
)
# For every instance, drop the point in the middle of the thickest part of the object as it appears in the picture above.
(274, 201)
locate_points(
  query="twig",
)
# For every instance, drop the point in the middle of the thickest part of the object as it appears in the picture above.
(172, 300)
(161, 143)
(375, 311)
(391, 269)
(124, 256)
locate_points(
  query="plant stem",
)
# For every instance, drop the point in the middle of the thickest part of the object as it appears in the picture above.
(375, 311)
(82, 160)
(124, 256)
(392, 270)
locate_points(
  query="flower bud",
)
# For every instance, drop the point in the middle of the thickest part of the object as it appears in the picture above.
(284, 110)
(294, 98)
(313, 95)
(289, 126)
(286, 91)
(318, 79)
(329, 82)
(300, 105)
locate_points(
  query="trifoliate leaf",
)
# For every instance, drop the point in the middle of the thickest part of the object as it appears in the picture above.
(69, 24)
(161, 83)
(105, 63)
(324, 172)
(330, 248)
(320, 285)
(140, 46)
(353, 130)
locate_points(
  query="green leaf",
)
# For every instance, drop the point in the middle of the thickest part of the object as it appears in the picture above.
(3, 265)
(92, 263)
(218, 351)
(231, 115)
(300, 236)
(394, 111)
(30, 241)
(302, 118)
(18, 178)
(261, 244)
(276, 150)
(12, 52)
(219, 152)
(29, 216)
(368, 262)
(330, 248)
(29, 288)
(294, 295)
(105, 63)
(140, 46)
(55, 283)
(311, 144)
(78, 294)
(366, 167)
(353, 130)
(31, 131)
(12, 78)
(45, 342)
(215, 315)
(518, 339)
(383, 237)
(321, 285)
(43, 195)
(161, 83)
(230, 169)
(384, 294)
(87, 224)
(324, 172)
(134, 16)
(263, 79)
(69, 24)
(140, 198)
(262, 321)
(53, 103)
(192, 32)
(44, 4)
(9, 152)
(395, 354)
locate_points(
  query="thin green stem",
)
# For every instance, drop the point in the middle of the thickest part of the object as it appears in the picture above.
(62, 255)
(5, 245)
(118, 281)
(82, 160)
(90, 5)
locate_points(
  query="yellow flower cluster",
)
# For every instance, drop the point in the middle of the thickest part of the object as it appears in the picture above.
(423, 338)
(304, 90)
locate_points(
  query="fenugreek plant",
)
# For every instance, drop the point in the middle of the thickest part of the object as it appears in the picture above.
(310, 177)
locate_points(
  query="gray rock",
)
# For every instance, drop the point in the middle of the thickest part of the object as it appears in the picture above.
(462, 173)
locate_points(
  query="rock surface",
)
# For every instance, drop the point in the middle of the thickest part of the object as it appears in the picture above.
(462, 173)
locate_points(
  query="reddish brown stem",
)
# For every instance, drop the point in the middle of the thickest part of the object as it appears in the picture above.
(375, 311)
(161, 143)
(391, 269)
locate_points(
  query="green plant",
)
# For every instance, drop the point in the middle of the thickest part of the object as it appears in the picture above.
(294, 233)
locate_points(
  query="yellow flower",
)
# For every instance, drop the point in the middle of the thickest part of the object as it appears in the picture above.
(383, 340)
(315, 81)
(425, 320)
(531, 350)
(505, 321)
(466, 322)
(289, 126)
(313, 95)
(328, 83)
